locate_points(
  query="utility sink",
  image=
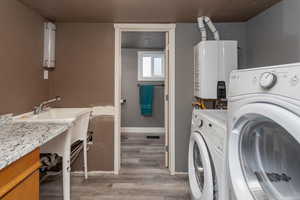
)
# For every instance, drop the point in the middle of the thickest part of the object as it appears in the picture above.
(78, 120)
(55, 115)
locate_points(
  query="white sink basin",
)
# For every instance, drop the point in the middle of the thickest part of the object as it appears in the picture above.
(78, 119)
(55, 115)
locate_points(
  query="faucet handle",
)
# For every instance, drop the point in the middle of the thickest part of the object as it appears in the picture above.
(58, 98)
(36, 109)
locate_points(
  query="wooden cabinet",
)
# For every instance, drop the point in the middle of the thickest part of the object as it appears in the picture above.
(20, 180)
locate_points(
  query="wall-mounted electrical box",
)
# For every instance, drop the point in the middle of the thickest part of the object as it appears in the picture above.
(213, 62)
(49, 45)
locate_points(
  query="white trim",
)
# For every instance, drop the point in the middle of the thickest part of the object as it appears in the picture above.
(143, 129)
(103, 111)
(119, 28)
(91, 173)
(117, 97)
(145, 27)
(172, 99)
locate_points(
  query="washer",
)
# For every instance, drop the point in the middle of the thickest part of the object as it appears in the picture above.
(207, 155)
(264, 133)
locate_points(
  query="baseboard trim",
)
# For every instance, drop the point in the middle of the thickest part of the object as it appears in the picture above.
(91, 173)
(143, 129)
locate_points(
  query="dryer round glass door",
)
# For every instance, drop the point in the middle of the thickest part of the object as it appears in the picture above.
(200, 169)
(269, 152)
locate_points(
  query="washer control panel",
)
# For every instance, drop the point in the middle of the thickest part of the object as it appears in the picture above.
(283, 80)
(267, 80)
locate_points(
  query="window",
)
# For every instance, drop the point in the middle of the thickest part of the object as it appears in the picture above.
(151, 66)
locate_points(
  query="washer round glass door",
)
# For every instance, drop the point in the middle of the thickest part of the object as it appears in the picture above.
(267, 142)
(200, 169)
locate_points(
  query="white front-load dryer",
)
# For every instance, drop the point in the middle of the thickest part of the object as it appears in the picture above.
(206, 162)
(264, 133)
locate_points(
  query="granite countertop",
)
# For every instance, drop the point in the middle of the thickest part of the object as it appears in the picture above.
(20, 138)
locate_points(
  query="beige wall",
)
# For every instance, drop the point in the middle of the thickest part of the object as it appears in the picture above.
(84, 64)
(101, 152)
(21, 42)
(84, 77)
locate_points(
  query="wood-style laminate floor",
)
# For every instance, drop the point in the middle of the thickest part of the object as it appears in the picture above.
(142, 176)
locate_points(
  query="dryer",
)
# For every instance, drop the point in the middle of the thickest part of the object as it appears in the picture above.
(207, 155)
(263, 129)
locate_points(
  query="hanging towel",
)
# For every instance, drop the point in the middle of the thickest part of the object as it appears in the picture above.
(146, 99)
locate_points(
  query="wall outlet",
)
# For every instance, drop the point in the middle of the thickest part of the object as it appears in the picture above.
(46, 74)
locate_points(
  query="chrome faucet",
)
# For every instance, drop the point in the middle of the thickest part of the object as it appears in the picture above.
(40, 108)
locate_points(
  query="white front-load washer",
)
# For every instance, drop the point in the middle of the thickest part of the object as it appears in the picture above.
(207, 154)
(264, 133)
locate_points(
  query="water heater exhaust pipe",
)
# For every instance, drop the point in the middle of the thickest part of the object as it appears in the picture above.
(201, 24)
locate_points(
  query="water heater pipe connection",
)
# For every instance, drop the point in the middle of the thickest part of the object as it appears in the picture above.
(201, 24)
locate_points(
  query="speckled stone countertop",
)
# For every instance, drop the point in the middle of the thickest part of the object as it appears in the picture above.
(20, 138)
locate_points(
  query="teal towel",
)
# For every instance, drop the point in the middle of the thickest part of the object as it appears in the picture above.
(146, 99)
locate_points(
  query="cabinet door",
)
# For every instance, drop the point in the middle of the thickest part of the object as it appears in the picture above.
(28, 189)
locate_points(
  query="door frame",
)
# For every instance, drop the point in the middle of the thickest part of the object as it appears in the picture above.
(119, 28)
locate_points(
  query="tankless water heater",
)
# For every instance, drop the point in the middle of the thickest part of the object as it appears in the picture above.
(213, 62)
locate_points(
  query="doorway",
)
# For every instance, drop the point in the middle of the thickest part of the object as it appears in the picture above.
(143, 77)
(149, 51)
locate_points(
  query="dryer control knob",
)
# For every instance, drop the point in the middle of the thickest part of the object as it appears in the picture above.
(267, 80)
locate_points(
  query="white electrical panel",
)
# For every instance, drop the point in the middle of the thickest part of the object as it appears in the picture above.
(213, 62)
(49, 45)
